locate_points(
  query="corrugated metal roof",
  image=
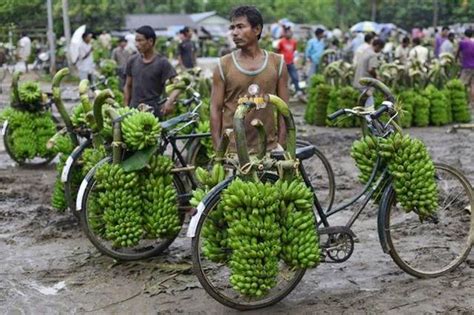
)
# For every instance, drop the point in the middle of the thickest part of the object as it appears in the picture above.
(158, 21)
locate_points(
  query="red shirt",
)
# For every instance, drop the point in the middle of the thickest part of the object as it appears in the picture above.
(287, 47)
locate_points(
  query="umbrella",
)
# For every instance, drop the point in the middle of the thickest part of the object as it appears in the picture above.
(76, 41)
(366, 26)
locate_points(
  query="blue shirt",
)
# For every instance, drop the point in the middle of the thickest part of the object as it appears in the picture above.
(314, 50)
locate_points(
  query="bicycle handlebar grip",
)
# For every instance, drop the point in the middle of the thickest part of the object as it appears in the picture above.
(379, 112)
(336, 114)
(378, 85)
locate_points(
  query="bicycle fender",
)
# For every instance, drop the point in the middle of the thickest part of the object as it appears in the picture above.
(4, 128)
(193, 223)
(85, 182)
(383, 212)
(73, 157)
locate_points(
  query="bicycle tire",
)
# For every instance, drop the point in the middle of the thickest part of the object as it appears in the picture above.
(398, 230)
(27, 163)
(117, 254)
(198, 268)
(326, 200)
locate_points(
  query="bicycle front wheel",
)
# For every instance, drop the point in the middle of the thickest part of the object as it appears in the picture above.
(92, 218)
(439, 243)
(214, 274)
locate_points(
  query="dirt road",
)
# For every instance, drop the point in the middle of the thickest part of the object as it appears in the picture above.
(49, 267)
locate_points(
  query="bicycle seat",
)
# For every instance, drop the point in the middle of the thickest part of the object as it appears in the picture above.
(302, 153)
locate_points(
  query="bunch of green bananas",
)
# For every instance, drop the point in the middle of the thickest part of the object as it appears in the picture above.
(205, 127)
(63, 146)
(90, 157)
(300, 241)
(30, 95)
(140, 130)
(364, 152)
(251, 211)
(413, 173)
(456, 94)
(29, 133)
(160, 214)
(117, 215)
(440, 112)
(215, 229)
(78, 115)
(107, 127)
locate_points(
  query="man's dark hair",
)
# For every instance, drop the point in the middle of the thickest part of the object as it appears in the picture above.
(451, 35)
(122, 39)
(252, 14)
(184, 30)
(445, 28)
(416, 41)
(378, 43)
(468, 32)
(406, 40)
(319, 31)
(368, 37)
(24, 33)
(147, 31)
(86, 33)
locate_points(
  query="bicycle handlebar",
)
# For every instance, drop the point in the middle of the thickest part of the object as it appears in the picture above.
(336, 114)
(378, 85)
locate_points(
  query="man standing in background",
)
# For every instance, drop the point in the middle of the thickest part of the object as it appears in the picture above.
(466, 52)
(24, 49)
(418, 52)
(439, 40)
(402, 51)
(360, 51)
(121, 55)
(105, 40)
(147, 74)
(85, 62)
(287, 47)
(186, 50)
(314, 50)
(448, 45)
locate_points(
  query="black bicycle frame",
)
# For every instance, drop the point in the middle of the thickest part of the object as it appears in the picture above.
(368, 191)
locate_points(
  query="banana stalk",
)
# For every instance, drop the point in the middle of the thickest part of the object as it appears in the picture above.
(262, 138)
(15, 102)
(58, 101)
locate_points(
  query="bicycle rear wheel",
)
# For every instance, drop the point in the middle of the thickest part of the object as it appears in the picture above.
(90, 214)
(215, 276)
(439, 243)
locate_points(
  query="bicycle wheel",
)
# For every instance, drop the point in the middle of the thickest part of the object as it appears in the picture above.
(31, 163)
(320, 174)
(441, 242)
(198, 155)
(71, 175)
(214, 276)
(90, 213)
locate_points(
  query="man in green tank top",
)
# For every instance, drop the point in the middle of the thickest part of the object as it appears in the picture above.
(248, 64)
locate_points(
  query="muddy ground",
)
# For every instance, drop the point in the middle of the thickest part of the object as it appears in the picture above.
(48, 266)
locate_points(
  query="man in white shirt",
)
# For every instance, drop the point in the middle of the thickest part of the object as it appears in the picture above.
(368, 38)
(105, 40)
(24, 49)
(402, 51)
(448, 45)
(85, 62)
(418, 52)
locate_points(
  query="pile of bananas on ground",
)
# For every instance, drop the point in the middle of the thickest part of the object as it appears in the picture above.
(108, 68)
(410, 165)
(252, 213)
(214, 230)
(140, 130)
(128, 207)
(300, 241)
(413, 173)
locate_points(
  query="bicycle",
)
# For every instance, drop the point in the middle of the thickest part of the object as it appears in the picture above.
(183, 182)
(400, 233)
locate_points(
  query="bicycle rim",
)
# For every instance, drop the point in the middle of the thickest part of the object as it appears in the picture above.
(214, 276)
(320, 175)
(440, 243)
